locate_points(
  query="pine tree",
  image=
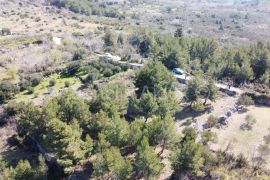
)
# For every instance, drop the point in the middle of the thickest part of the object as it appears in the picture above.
(147, 163)
(110, 99)
(31, 122)
(145, 106)
(167, 105)
(67, 107)
(193, 90)
(109, 41)
(155, 78)
(120, 39)
(116, 131)
(65, 142)
(162, 132)
(178, 32)
(209, 91)
(189, 156)
(113, 165)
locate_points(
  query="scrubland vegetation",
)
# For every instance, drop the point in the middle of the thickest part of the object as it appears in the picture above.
(128, 90)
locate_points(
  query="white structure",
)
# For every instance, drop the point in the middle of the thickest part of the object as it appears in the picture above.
(57, 40)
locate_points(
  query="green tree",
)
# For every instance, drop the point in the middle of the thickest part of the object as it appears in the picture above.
(202, 48)
(23, 170)
(145, 106)
(162, 132)
(190, 134)
(111, 164)
(67, 107)
(41, 171)
(111, 99)
(147, 163)
(109, 41)
(65, 142)
(177, 57)
(209, 91)
(102, 143)
(189, 156)
(155, 78)
(260, 60)
(116, 131)
(209, 136)
(31, 121)
(88, 145)
(136, 132)
(7, 91)
(178, 32)
(167, 104)
(193, 90)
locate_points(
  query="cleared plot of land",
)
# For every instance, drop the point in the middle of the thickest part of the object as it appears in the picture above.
(44, 90)
(245, 141)
(221, 106)
(233, 138)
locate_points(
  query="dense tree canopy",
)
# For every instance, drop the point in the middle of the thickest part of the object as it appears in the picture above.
(147, 163)
(111, 99)
(65, 142)
(112, 164)
(155, 78)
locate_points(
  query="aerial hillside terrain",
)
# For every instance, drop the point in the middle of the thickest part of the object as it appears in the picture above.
(134, 89)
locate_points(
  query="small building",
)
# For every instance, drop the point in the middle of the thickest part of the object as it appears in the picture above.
(57, 40)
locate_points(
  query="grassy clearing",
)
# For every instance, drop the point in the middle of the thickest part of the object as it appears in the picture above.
(2, 38)
(21, 41)
(245, 141)
(43, 88)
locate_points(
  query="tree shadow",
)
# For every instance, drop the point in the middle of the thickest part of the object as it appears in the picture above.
(187, 112)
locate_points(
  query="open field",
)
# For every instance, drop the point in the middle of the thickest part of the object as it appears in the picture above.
(245, 141)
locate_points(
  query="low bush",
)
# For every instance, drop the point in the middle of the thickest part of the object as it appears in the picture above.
(52, 82)
(7, 91)
(245, 100)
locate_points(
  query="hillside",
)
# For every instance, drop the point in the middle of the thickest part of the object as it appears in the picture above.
(137, 89)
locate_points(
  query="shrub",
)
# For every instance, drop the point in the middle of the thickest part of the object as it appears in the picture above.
(30, 90)
(125, 67)
(212, 121)
(24, 84)
(107, 72)
(245, 100)
(35, 79)
(198, 106)
(250, 121)
(36, 95)
(77, 34)
(7, 91)
(116, 69)
(73, 68)
(13, 107)
(67, 84)
(79, 54)
(52, 82)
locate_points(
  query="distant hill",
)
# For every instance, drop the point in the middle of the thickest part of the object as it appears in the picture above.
(87, 7)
